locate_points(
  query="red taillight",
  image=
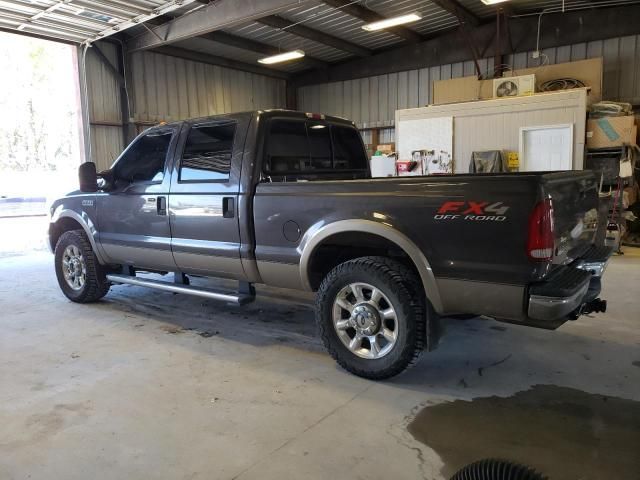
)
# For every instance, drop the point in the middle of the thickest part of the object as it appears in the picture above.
(540, 243)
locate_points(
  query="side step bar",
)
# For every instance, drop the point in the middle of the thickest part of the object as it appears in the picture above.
(238, 299)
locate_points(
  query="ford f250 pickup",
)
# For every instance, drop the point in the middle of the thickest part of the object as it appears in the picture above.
(286, 199)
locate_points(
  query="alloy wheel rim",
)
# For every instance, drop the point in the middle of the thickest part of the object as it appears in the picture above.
(74, 267)
(365, 320)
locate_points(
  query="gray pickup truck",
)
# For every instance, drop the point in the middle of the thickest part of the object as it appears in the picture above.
(286, 199)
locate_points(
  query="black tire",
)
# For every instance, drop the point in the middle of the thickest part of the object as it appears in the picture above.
(95, 285)
(400, 285)
(491, 469)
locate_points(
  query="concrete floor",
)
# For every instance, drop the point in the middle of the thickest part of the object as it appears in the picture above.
(156, 386)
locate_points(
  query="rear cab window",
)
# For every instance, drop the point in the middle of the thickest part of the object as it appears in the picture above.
(306, 150)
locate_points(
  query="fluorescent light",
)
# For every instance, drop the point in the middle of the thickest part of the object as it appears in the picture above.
(282, 57)
(493, 2)
(392, 22)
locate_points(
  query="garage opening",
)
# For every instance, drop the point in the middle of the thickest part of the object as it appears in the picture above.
(39, 136)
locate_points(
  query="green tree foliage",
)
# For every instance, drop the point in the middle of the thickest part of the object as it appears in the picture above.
(38, 107)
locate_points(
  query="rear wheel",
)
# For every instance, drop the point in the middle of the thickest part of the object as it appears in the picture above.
(81, 277)
(371, 316)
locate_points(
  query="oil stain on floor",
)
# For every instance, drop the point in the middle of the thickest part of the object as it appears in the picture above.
(564, 433)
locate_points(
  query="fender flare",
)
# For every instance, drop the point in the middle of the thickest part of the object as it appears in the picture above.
(317, 234)
(86, 224)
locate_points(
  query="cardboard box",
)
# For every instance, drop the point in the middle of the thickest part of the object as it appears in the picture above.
(386, 148)
(631, 193)
(611, 132)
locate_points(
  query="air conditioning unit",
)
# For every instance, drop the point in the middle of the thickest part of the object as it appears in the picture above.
(514, 86)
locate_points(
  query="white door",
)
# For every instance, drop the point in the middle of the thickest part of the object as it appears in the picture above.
(546, 148)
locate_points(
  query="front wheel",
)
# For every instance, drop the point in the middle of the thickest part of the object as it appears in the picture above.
(80, 275)
(372, 316)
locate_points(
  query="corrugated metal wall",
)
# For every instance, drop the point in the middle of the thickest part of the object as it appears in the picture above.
(372, 101)
(166, 89)
(104, 107)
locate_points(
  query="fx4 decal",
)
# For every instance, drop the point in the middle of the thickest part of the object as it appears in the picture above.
(472, 211)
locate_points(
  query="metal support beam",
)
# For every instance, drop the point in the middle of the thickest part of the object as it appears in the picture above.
(124, 65)
(166, 7)
(253, 46)
(463, 14)
(220, 61)
(315, 35)
(464, 30)
(291, 97)
(81, 95)
(128, 128)
(367, 15)
(214, 16)
(557, 29)
(498, 63)
(37, 35)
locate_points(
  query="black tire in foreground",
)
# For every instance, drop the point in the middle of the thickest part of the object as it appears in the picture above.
(492, 469)
(371, 313)
(81, 277)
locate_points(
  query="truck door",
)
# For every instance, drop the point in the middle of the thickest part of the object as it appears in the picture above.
(203, 205)
(132, 216)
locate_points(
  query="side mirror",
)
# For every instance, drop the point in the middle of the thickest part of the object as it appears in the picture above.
(88, 177)
(106, 179)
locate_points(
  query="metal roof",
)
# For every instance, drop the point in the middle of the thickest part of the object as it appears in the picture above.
(286, 41)
(80, 20)
(87, 20)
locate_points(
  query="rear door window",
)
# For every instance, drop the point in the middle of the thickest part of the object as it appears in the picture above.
(207, 153)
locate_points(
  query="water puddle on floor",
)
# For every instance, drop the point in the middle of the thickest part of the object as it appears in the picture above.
(564, 433)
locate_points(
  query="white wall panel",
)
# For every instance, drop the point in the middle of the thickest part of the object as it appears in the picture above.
(497, 122)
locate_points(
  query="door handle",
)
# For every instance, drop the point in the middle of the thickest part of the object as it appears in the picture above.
(161, 204)
(228, 207)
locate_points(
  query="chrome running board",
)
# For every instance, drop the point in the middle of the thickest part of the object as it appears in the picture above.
(238, 299)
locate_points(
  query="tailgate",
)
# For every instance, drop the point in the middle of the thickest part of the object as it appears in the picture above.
(574, 196)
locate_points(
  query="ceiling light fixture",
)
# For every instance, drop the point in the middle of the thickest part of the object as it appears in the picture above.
(391, 22)
(493, 2)
(282, 57)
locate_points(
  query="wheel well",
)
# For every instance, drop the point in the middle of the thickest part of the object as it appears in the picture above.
(345, 246)
(56, 230)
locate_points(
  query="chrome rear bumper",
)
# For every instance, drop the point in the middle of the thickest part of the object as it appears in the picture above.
(554, 308)
(570, 291)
